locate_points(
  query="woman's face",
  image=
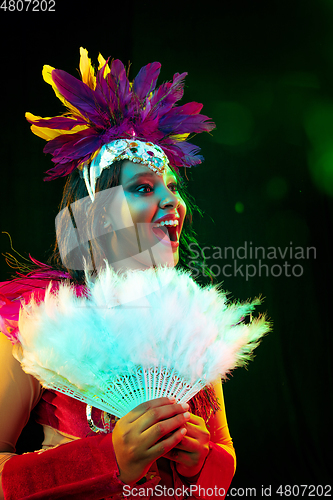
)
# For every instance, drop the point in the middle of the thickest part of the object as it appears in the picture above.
(147, 198)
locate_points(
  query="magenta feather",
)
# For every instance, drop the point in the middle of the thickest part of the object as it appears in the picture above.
(168, 94)
(62, 168)
(21, 289)
(59, 122)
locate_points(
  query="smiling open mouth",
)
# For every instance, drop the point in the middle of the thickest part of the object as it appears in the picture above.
(172, 232)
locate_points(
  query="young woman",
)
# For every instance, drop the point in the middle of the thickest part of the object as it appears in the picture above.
(124, 206)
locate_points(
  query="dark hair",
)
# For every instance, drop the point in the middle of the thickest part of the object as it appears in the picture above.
(92, 249)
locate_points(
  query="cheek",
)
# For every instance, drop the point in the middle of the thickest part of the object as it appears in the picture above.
(140, 210)
(182, 210)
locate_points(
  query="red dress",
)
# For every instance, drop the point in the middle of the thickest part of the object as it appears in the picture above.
(77, 463)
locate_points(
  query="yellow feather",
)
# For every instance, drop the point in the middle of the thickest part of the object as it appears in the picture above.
(49, 133)
(47, 75)
(86, 69)
(92, 156)
(101, 62)
(95, 153)
(45, 133)
(34, 118)
(179, 137)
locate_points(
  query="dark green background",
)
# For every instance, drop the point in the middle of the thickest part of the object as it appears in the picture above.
(264, 71)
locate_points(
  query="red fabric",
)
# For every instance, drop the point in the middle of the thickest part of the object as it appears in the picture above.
(87, 469)
(65, 414)
(216, 474)
(68, 415)
(82, 469)
(213, 481)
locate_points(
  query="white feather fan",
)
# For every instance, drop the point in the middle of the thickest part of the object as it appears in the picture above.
(122, 345)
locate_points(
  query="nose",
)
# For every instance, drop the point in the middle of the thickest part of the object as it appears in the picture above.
(169, 200)
(167, 197)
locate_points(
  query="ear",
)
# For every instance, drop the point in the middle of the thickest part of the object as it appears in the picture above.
(106, 218)
(106, 222)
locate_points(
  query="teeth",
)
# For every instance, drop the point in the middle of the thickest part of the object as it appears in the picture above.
(168, 223)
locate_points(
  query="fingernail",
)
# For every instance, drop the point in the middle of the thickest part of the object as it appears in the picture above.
(172, 399)
(187, 414)
(183, 431)
(185, 406)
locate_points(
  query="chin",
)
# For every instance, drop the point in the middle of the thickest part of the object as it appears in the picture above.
(176, 258)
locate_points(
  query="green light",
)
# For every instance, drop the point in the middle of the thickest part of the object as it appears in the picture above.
(301, 79)
(277, 188)
(239, 207)
(318, 123)
(235, 123)
(321, 168)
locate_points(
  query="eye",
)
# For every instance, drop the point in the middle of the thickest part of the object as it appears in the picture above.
(173, 187)
(144, 187)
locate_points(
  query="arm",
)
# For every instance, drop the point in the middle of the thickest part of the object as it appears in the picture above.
(218, 426)
(87, 468)
(19, 393)
(206, 457)
(79, 467)
(220, 464)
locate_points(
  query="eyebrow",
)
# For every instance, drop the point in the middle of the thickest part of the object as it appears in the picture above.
(146, 174)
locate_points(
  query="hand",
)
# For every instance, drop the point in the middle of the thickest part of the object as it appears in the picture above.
(145, 434)
(190, 454)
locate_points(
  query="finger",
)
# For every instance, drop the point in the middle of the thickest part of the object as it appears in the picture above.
(197, 423)
(197, 420)
(181, 457)
(162, 413)
(163, 447)
(162, 428)
(188, 445)
(199, 432)
(193, 431)
(142, 408)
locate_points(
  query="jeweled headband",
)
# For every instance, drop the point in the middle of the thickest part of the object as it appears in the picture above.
(109, 118)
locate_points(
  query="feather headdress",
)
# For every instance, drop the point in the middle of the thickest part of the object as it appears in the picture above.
(114, 354)
(105, 106)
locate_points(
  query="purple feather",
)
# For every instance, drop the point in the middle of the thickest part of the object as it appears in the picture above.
(145, 81)
(114, 110)
(148, 128)
(106, 92)
(73, 146)
(185, 119)
(168, 94)
(103, 86)
(60, 170)
(183, 154)
(117, 132)
(122, 84)
(87, 101)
